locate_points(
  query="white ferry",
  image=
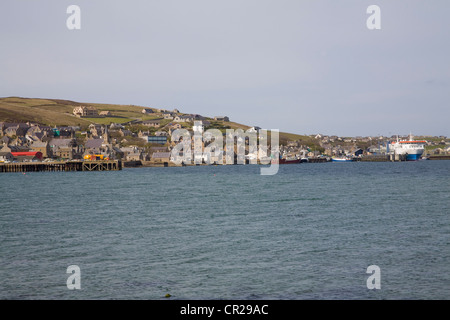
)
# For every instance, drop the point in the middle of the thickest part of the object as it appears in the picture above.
(413, 149)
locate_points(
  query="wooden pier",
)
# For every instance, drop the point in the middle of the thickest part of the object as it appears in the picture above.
(107, 165)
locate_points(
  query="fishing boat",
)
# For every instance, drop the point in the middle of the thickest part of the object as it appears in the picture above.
(288, 160)
(413, 149)
(342, 159)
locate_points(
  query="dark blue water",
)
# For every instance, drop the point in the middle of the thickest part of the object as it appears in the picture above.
(226, 232)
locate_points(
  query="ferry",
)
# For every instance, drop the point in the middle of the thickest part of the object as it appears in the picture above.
(413, 149)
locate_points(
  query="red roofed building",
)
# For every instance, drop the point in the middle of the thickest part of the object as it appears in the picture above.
(32, 155)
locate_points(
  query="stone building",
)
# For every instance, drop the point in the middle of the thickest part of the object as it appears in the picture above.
(84, 111)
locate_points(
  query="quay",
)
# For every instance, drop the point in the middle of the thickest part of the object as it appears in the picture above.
(317, 160)
(383, 158)
(106, 165)
(439, 157)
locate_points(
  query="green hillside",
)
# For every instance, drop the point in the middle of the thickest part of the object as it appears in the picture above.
(60, 112)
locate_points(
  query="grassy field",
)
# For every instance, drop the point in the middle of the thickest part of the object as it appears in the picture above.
(44, 111)
(60, 112)
(109, 120)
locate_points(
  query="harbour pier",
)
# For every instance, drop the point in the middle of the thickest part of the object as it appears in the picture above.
(317, 160)
(106, 165)
(383, 158)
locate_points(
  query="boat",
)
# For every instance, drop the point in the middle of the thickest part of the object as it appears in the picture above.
(342, 159)
(413, 149)
(288, 160)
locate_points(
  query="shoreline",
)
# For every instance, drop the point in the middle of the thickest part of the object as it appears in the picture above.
(117, 165)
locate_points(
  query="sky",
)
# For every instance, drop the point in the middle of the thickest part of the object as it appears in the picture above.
(300, 66)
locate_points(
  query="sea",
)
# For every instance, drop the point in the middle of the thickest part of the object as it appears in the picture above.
(313, 231)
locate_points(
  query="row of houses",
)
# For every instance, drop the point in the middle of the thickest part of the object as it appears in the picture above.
(37, 142)
(151, 111)
(44, 142)
(36, 131)
(440, 140)
(55, 148)
(177, 118)
(69, 149)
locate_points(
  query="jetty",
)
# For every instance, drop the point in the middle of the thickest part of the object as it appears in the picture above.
(439, 157)
(104, 165)
(317, 160)
(383, 158)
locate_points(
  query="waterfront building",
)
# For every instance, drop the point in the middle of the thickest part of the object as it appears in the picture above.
(27, 156)
(42, 147)
(161, 157)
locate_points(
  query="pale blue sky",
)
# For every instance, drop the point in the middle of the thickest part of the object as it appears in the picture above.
(298, 66)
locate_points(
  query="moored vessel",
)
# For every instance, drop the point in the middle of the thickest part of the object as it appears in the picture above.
(288, 160)
(342, 159)
(412, 149)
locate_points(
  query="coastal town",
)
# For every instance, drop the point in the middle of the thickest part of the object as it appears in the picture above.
(147, 142)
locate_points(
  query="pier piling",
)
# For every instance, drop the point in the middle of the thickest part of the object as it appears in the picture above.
(107, 165)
